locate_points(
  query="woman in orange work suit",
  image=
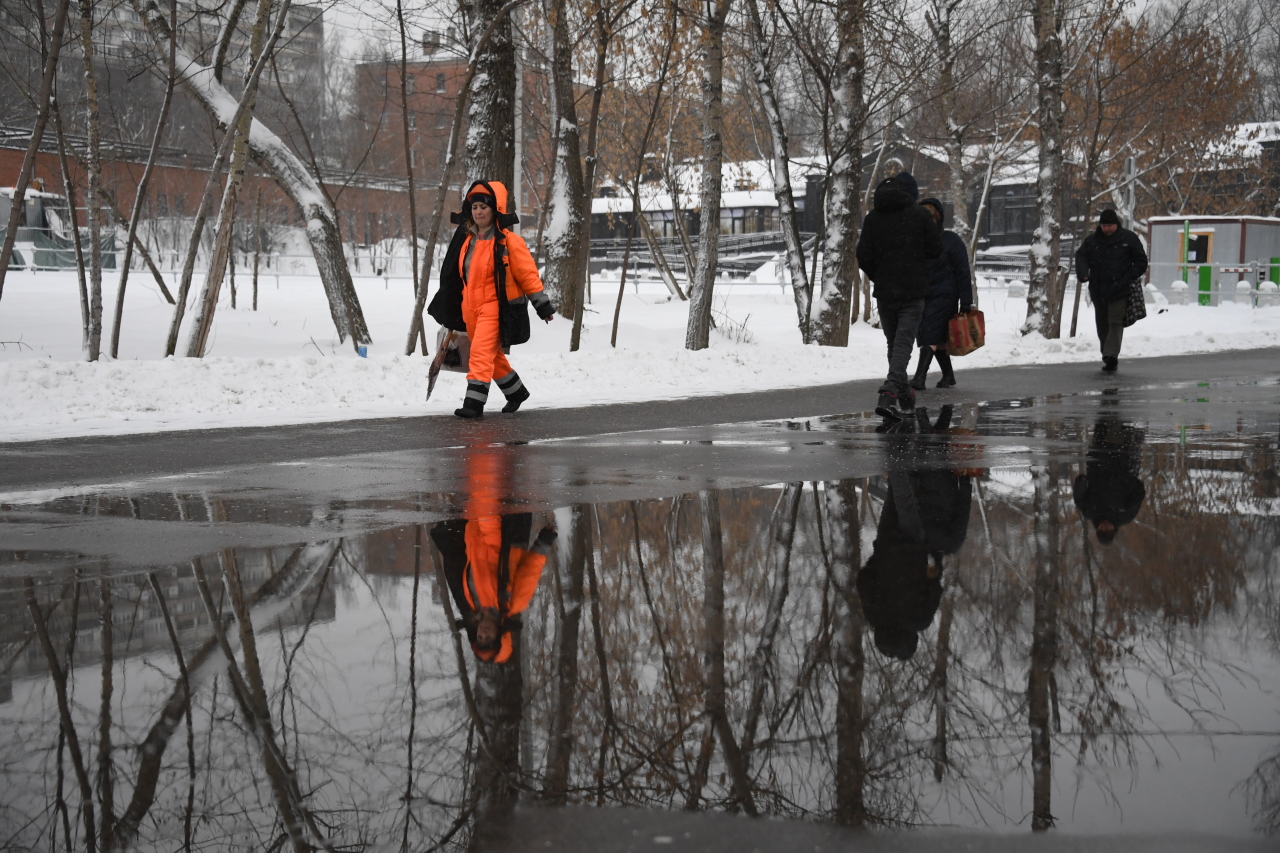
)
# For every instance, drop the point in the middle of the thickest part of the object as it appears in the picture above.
(487, 274)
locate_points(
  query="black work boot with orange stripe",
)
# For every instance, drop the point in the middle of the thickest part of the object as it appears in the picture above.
(473, 403)
(513, 389)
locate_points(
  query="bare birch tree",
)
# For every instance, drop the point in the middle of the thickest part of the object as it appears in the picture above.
(93, 178)
(562, 233)
(224, 231)
(289, 172)
(702, 284)
(843, 215)
(1045, 284)
(763, 60)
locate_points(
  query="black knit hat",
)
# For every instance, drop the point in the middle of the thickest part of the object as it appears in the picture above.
(909, 182)
(1109, 217)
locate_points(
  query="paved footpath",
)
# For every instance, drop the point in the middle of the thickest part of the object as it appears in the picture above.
(76, 461)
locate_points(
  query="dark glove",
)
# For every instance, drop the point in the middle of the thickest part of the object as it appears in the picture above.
(965, 309)
(547, 535)
(545, 310)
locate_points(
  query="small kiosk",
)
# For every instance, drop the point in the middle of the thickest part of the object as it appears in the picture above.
(1217, 257)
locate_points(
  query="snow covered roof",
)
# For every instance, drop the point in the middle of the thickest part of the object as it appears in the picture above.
(1245, 141)
(1178, 220)
(7, 192)
(1016, 163)
(746, 183)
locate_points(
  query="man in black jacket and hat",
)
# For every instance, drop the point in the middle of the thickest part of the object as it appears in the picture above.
(899, 240)
(1110, 259)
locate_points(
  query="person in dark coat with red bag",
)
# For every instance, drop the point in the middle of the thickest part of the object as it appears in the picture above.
(949, 286)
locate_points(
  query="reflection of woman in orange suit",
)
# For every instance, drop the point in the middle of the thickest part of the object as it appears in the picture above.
(493, 573)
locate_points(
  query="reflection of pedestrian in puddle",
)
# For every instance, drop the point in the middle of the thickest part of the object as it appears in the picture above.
(925, 517)
(1109, 492)
(492, 573)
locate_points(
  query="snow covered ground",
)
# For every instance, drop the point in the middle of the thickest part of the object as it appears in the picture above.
(283, 365)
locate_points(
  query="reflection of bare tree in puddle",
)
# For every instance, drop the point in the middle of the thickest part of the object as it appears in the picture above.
(1041, 684)
(195, 668)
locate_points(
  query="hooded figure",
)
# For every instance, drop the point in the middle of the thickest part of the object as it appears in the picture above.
(949, 285)
(492, 574)
(899, 239)
(487, 279)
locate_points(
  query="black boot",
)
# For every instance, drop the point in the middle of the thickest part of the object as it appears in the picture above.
(473, 403)
(513, 389)
(922, 368)
(948, 379)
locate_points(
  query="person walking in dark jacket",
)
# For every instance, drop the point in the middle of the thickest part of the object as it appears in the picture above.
(1109, 260)
(899, 238)
(949, 285)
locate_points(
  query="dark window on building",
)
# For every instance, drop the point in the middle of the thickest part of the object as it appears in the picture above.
(408, 84)
(441, 85)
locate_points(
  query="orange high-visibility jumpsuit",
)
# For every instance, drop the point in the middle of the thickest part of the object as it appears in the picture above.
(480, 306)
(488, 476)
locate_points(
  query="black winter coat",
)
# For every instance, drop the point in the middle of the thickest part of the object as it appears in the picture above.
(899, 592)
(1110, 489)
(899, 238)
(949, 288)
(1109, 264)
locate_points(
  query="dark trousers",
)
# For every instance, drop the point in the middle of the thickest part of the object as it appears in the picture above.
(900, 319)
(1109, 317)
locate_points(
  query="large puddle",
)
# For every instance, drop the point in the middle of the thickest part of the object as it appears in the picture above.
(1085, 637)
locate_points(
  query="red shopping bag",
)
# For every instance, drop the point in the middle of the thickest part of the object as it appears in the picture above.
(966, 332)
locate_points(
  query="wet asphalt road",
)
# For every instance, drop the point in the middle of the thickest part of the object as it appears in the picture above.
(355, 477)
(85, 461)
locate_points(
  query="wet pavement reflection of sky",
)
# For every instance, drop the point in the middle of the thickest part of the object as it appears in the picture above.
(1040, 614)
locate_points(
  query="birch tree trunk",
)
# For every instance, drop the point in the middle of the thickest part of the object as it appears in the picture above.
(562, 234)
(418, 283)
(93, 180)
(940, 19)
(491, 121)
(225, 229)
(289, 172)
(37, 136)
(801, 287)
(69, 190)
(843, 212)
(603, 37)
(1044, 290)
(698, 331)
(416, 328)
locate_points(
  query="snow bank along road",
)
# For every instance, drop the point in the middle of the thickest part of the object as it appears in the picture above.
(282, 364)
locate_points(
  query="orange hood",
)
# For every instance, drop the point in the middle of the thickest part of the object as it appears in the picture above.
(495, 188)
